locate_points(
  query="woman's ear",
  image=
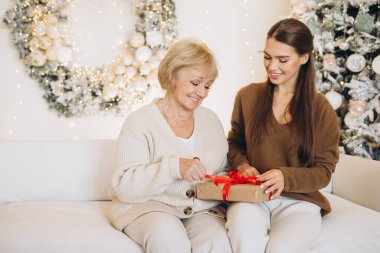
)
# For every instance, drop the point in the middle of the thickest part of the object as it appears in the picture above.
(304, 58)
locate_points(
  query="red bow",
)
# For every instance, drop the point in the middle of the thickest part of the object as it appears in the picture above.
(233, 178)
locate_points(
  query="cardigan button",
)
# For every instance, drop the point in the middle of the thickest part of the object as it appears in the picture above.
(188, 210)
(190, 193)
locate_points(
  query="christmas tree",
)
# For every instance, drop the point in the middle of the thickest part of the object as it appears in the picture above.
(346, 47)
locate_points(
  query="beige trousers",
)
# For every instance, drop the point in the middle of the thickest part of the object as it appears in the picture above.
(161, 232)
(282, 225)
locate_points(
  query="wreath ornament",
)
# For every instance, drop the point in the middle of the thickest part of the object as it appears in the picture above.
(36, 28)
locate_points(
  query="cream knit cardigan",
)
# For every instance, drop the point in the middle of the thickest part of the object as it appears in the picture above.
(147, 176)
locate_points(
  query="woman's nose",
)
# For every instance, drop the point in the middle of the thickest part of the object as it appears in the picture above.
(273, 65)
(202, 91)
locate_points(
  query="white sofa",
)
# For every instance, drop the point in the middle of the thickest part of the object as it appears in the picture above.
(53, 198)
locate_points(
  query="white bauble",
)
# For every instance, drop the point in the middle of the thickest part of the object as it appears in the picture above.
(120, 81)
(37, 58)
(120, 69)
(351, 121)
(152, 78)
(40, 29)
(376, 65)
(143, 53)
(161, 53)
(110, 91)
(154, 38)
(45, 42)
(154, 62)
(51, 19)
(52, 32)
(34, 43)
(64, 54)
(127, 59)
(137, 40)
(51, 54)
(334, 98)
(344, 46)
(144, 69)
(140, 84)
(109, 76)
(356, 62)
(130, 72)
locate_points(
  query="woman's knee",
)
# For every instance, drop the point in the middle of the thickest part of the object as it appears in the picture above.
(161, 231)
(244, 216)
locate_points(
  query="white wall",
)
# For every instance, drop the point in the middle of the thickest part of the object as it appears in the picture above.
(234, 29)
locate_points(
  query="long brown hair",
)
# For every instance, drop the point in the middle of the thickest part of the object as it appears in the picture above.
(301, 107)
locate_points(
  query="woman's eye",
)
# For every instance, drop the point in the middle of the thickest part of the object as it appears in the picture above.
(195, 83)
(266, 58)
(283, 61)
(207, 87)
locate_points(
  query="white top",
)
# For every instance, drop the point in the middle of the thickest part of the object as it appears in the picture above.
(147, 176)
(189, 141)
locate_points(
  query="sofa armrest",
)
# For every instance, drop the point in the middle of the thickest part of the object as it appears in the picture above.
(358, 180)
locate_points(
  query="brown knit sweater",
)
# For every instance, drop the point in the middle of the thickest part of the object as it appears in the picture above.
(276, 150)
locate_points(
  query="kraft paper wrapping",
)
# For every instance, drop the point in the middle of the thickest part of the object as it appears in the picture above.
(237, 192)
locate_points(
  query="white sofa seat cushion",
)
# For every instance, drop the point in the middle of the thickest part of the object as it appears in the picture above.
(60, 227)
(349, 228)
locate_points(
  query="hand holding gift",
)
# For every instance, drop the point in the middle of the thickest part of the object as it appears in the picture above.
(235, 187)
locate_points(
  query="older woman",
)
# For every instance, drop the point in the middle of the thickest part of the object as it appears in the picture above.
(164, 149)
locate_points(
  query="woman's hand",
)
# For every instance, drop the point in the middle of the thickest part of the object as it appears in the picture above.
(272, 181)
(247, 170)
(191, 169)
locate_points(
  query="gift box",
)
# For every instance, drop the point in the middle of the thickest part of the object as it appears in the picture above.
(232, 188)
(237, 192)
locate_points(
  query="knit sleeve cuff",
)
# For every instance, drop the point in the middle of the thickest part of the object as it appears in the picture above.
(174, 167)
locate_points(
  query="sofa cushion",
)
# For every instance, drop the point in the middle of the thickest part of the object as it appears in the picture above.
(60, 227)
(357, 180)
(349, 228)
(56, 170)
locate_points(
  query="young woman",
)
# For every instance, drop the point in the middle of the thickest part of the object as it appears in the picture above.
(286, 134)
(164, 149)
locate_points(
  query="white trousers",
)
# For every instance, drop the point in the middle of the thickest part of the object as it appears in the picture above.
(161, 232)
(282, 225)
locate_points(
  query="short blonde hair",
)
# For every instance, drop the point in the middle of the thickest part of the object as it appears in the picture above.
(182, 54)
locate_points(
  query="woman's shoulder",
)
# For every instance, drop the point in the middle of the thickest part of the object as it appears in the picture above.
(251, 89)
(324, 108)
(207, 113)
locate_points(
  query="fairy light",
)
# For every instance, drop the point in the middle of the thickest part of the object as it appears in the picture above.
(69, 49)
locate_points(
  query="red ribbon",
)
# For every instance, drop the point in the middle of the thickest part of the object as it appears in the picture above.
(233, 178)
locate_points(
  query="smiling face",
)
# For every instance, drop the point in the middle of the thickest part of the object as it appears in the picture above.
(282, 63)
(191, 86)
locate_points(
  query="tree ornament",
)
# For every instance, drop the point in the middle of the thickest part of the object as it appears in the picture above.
(351, 120)
(357, 108)
(355, 63)
(329, 62)
(344, 45)
(376, 65)
(334, 98)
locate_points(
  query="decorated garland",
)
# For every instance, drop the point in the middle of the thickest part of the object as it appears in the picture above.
(71, 91)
